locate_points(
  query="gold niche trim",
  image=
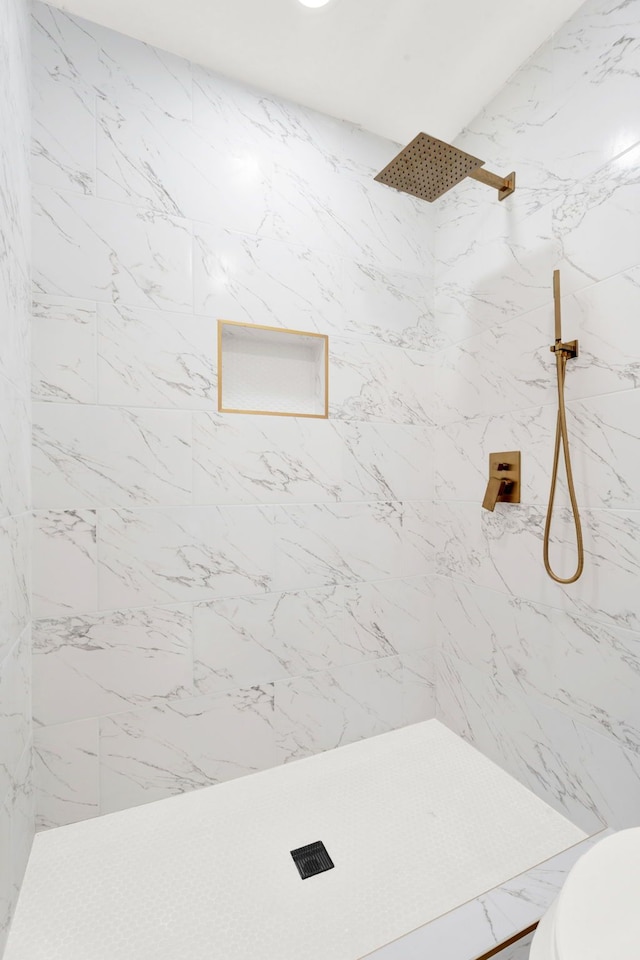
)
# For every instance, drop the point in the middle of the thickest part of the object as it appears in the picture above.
(284, 330)
(497, 950)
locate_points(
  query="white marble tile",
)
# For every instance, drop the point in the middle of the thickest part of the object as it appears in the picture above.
(15, 478)
(6, 890)
(598, 43)
(87, 666)
(525, 111)
(595, 223)
(418, 540)
(393, 615)
(156, 358)
(246, 459)
(375, 382)
(63, 49)
(608, 774)
(501, 724)
(602, 316)
(517, 951)
(349, 214)
(595, 676)
(114, 67)
(65, 578)
(606, 591)
(63, 149)
(552, 129)
(15, 578)
(264, 281)
(419, 686)
(15, 300)
(503, 551)
(508, 274)
(479, 377)
(457, 935)
(163, 751)
(469, 622)
(395, 308)
(508, 638)
(231, 112)
(16, 794)
(388, 461)
(15, 709)
(238, 642)
(138, 73)
(152, 160)
(319, 544)
(64, 350)
(22, 799)
(605, 444)
(14, 199)
(598, 120)
(335, 707)
(66, 762)
(100, 250)
(589, 778)
(525, 898)
(90, 456)
(245, 641)
(168, 555)
(582, 667)
(389, 228)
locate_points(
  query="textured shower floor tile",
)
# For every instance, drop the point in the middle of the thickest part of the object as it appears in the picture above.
(416, 823)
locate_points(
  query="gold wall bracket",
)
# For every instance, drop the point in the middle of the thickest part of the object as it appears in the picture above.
(570, 348)
(504, 185)
(504, 479)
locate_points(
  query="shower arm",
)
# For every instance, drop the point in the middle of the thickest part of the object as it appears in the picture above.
(504, 185)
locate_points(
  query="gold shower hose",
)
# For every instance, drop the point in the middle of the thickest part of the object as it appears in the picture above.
(562, 355)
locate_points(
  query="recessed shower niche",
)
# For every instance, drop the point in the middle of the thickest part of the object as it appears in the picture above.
(272, 370)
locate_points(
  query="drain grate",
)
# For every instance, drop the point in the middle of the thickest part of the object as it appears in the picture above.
(312, 859)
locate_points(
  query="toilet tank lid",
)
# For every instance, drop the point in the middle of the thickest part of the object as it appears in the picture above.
(598, 910)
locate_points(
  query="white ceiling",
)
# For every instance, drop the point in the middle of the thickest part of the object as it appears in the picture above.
(395, 67)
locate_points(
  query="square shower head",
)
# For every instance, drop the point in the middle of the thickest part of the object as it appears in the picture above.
(427, 168)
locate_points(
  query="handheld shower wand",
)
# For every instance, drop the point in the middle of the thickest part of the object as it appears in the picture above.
(563, 352)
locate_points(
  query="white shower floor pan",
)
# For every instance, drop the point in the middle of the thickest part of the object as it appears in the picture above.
(416, 822)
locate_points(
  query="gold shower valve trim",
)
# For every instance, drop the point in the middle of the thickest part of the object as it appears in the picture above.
(504, 479)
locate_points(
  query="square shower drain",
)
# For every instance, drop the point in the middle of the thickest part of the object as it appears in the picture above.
(312, 859)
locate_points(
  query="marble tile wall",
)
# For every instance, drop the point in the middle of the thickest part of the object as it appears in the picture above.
(543, 678)
(16, 789)
(215, 594)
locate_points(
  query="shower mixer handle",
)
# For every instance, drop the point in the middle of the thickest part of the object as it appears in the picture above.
(496, 490)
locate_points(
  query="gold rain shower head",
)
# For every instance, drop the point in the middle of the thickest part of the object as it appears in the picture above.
(427, 168)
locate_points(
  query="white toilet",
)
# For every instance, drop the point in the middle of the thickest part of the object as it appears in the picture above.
(596, 915)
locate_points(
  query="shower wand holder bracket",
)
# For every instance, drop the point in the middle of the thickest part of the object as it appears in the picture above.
(570, 348)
